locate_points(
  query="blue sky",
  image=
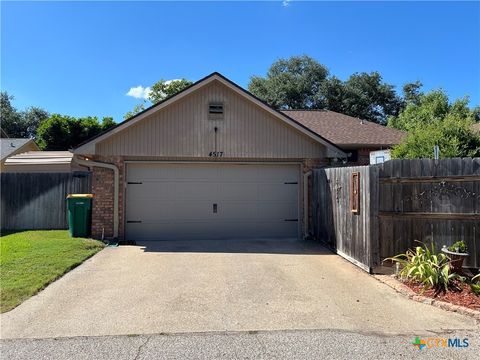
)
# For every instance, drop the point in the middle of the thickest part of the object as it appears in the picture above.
(81, 59)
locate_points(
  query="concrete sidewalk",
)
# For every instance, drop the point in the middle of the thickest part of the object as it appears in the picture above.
(178, 287)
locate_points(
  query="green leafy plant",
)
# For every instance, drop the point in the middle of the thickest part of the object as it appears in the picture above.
(460, 245)
(475, 284)
(424, 265)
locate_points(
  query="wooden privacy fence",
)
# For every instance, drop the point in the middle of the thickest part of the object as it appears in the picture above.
(37, 200)
(430, 201)
(399, 202)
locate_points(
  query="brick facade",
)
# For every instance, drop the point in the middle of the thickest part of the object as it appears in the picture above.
(309, 164)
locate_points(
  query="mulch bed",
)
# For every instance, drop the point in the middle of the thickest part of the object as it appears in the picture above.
(462, 296)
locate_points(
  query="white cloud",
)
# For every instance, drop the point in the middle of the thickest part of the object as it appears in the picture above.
(286, 2)
(139, 92)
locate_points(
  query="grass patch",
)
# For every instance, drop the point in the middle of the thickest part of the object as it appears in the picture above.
(30, 260)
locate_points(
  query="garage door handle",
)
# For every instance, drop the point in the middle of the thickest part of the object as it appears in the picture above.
(290, 220)
(215, 208)
(291, 183)
(134, 183)
(134, 221)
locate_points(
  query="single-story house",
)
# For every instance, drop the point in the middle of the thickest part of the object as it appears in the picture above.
(42, 162)
(11, 147)
(211, 162)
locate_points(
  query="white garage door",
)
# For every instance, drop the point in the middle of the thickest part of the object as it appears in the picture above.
(211, 201)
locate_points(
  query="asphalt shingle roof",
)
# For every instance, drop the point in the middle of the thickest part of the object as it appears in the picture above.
(344, 130)
(11, 145)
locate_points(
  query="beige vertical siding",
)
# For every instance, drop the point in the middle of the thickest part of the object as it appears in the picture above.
(183, 129)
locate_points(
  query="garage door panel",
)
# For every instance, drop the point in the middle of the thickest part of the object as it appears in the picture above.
(172, 172)
(278, 210)
(278, 191)
(211, 201)
(172, 191)
(237, 191)
(202, 231)
(272, 210)
(170, 210)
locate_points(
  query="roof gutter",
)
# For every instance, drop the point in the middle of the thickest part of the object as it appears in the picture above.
(116, 182)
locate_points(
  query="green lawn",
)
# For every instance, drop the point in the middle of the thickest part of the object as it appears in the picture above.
(30, 260)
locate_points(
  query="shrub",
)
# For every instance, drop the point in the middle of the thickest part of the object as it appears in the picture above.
(475, 284)
(460, 245)
(424, 265)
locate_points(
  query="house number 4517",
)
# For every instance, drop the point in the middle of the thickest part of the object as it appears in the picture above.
(215, 154)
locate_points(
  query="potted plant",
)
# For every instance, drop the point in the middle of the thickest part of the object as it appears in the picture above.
(457, 254)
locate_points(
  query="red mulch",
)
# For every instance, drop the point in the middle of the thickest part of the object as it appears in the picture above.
(462, 296)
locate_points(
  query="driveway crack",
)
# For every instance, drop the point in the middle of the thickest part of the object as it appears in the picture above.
(139, 350)
(262, 344)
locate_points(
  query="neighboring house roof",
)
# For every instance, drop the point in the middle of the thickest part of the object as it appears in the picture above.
(41, 158)
(12, 146)
(476, 127)
(88, 147)
(346, 131)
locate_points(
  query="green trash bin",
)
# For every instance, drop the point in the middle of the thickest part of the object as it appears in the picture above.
(79, 214)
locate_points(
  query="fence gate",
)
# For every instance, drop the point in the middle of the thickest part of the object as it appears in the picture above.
(342, 212)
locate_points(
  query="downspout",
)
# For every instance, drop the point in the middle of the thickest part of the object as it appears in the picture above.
(116, 181)
(305, 203)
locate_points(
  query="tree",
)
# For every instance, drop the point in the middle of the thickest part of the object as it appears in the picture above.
(301, 82)
(54, 133)
(61, 132)
(137, 109)
(163, 89)
(431, 107)
(159, 91)
(19, 124)
(364, 95)
(412, 93)
(292, 83)
(107, 123)
(436, 121)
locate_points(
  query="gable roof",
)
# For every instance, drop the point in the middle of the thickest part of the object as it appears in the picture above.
(347, 131)
(10, 146)
(89, 145)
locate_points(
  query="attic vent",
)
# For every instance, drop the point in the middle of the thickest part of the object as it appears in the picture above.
(215, 110)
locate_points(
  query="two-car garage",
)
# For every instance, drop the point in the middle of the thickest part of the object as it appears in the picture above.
(211, 162)
(188, 201)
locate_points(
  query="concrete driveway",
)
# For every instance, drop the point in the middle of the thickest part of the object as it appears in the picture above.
(173, 287)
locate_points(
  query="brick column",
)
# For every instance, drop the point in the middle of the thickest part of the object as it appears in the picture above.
(103, 190)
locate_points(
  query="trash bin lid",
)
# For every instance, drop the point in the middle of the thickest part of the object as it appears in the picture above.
(79, 196)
